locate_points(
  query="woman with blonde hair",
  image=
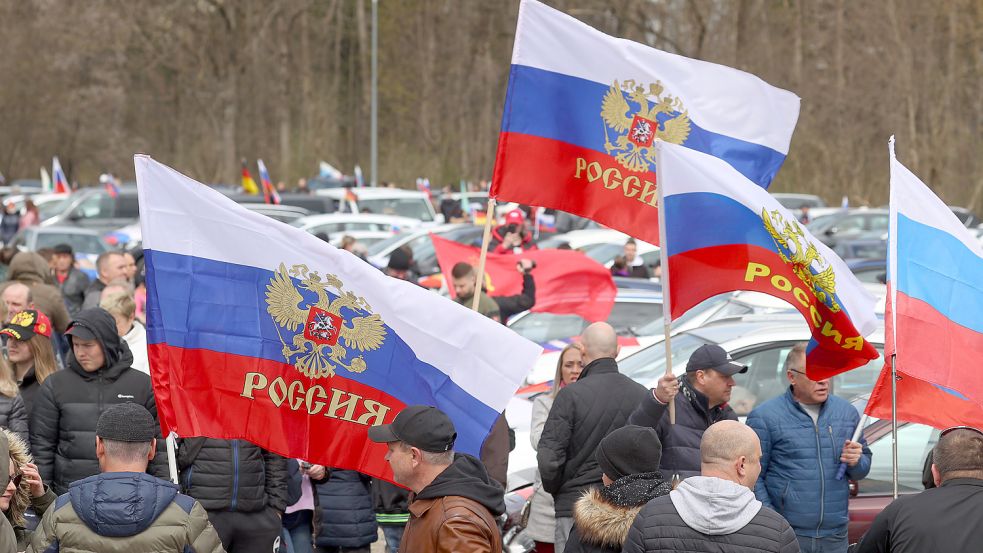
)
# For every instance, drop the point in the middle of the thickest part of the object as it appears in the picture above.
(30, 356)
(24, 489)
(541, 517)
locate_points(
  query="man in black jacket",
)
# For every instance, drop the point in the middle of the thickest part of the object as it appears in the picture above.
(242, 486)
(705, 391)
(68, 406)
(716, 512)
(510, 305)
(583, 414)
(946, 518)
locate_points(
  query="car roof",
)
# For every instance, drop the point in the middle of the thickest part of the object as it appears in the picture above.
(371, 193)
(323, 218)
(65, 230)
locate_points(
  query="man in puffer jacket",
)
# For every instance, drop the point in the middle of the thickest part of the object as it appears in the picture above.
(242, 486)
(629, 459)
(805, 434)
(68, 406)
(715, 512)
(345, 521)
(124, 508)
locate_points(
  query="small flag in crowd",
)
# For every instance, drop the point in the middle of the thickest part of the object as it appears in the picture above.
(270, 195)
(260, 331)
(59, 182)
(45, 181)
(567, 281)
(715, 220)
(248, 184)
(583, 111)
(109, 184)
(326, 170)
(359, 180)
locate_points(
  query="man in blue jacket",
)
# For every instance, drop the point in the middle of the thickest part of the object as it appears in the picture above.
(805, 435)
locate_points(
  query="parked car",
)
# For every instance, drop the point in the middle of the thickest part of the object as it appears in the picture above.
(850, 225)
(383, 201)
(862, 248)
(794, 202)
(965, 216)
(418, 240)
(868, 270)
(601, 245)
(283, 213)
(337, 223)
(97, 209)
(47, 204)
(86, 243)
(312, 203)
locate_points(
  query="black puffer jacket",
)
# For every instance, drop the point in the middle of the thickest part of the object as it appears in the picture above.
(583, 414)
(681, 442)
(232, 475)
(66, 410)
(29, 390)
(13, 416)
(345, 518)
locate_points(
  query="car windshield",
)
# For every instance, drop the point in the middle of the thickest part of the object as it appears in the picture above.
(824, 223)
(414, 208)
(543, 327)
(646, 366)
(81, 243)
(602, 253)
(51, 208)
(383, 245)
(656, 326)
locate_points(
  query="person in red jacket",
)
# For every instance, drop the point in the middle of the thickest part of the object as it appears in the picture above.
(512, 236)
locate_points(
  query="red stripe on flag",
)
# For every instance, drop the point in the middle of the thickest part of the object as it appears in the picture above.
(921, 402)
(544, 172)
(218, 395)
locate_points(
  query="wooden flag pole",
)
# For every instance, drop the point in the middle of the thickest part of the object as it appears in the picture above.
(664, 261)
(480, 276)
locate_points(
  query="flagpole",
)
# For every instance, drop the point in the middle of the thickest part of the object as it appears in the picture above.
(894, 422)
(171, 457)
(892, 272)
(480, 277)
(663, 261)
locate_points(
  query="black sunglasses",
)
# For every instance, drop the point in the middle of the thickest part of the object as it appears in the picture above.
(17, 479)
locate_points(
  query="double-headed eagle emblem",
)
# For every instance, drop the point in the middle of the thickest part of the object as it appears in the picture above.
(639, 122)
(796, 249)
(326, 328)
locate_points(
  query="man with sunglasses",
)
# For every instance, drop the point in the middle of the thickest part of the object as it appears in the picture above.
(805, 434)
(945, 518)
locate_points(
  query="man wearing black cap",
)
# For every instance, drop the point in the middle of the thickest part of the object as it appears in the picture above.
(454, 502)
(629, 460)
(401, 264)
(66, 409)
(124, 508)
(700, 396)
(71, 281)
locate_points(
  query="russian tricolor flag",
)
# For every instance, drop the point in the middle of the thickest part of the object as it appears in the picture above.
(59, 182)
(935, 275)
(270, 195)
(723, 234)
(583, 110)
(260, 331)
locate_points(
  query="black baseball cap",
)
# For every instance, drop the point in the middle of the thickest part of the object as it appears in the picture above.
(64, 249)
(419, 426)
(712, 356)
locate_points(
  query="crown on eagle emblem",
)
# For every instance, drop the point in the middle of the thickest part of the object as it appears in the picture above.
(807, 263)
(638, 122)
(325, 329)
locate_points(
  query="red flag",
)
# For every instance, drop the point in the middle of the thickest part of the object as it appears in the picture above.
(567, 281)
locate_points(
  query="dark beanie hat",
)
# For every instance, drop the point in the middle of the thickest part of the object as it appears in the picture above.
(126, 422)
(629, 450)
(399, 260)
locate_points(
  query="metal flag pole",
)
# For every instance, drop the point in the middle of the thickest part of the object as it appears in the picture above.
(486, 237)
(172, 457)
(374, 123)
(894, 422)
(663, 260)
(892, 274)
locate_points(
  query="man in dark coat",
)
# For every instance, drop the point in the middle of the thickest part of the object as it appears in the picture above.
(583, 414)
(946, 518)
(66, 410)
(242, 486)
(69, 278)
(700, 396)
(716, 512)
(345, 520)
(629, 460)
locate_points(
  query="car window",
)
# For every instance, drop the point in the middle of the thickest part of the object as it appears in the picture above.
(602, 253)
(651, 258)
(764, 379)
(859, 381)
(543, 327)
(657, 326)
(80, 243)
(49, 209)
(647, 365)
(127, 207)
(870, 274)
(914, 443)
(97, 206)
(849, 224)
(414, 208)
(625, 315)
(878, 222)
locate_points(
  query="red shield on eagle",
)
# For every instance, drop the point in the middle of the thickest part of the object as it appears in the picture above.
(322, 327)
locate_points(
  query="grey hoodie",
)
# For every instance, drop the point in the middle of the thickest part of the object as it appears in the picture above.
(714, 506)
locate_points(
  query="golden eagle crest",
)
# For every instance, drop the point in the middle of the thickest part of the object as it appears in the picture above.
(322, 344)
(796, 249)
(639, 122)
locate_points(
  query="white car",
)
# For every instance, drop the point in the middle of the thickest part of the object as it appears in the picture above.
(418, 240)
(601, 245)
(48, 204)
(383, 201)
(338, 224)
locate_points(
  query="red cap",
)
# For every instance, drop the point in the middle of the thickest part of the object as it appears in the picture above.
(515, 216)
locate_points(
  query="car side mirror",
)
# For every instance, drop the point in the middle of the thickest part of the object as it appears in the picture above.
(74, 216)
(854, 488)
(830, 232)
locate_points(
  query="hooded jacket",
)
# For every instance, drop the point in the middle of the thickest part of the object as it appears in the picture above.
(31, 269)
(8, 540)
(456, 512)
(73, 290)
(706, 514)
(66, 410)
(125, 511)
(603, 516)
(681, 441)
(583, 414)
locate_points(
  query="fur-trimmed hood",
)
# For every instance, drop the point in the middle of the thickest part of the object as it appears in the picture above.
(601, 523)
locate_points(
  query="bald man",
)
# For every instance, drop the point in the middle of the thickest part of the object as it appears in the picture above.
(583, 413)
(716, 511)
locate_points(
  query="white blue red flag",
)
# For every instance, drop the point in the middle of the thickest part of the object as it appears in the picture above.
(59, 182)
(261, 331)
(934, 323)
(584, 109)
(270, 195)
(723, 234)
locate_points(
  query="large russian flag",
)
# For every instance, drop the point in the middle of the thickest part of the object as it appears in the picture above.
(935, 274)
(583, 109)
(722, 234)
(258, 330)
